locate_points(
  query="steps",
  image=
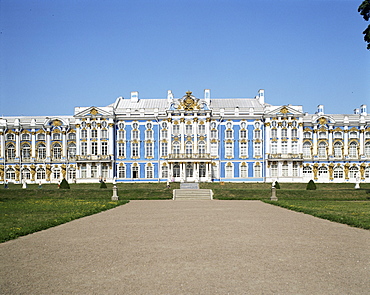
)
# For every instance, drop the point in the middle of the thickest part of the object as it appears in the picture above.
(192, 194)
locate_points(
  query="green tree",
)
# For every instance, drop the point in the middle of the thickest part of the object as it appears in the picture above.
(64, 184)
(311, 185)
(364, 10)
(103, 185)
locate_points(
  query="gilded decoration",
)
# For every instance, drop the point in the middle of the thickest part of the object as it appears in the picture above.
(322, 121)
(188, 103)
(284, 110)
(93, 112)
(56, 123)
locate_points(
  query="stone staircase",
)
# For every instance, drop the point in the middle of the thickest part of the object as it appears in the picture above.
(192, 194)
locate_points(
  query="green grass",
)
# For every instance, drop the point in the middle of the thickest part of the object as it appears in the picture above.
(26, 211)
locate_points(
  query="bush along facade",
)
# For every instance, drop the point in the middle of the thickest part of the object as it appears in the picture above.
(103, 185)
(311, 185)
(64, 184)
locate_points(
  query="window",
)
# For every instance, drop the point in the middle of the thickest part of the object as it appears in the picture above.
(214, 171)
(274, 148)
(10, 137)
(26, 152)
(229, 171)
(164, 149)
(10, 152)
(294, 148)
(274, 133)
(257, 149)
(244, 149)
(121, 134)
(71, 136)
(164, 171)
(71, 150)
(121, 125)
(25, 136)
(40, 173)
(94, 171)
(322, 171)
(307, 171)
(56, 173)
(121, 150)
(322, 149)
(257, 171)
(135, 172)
(94, 133)
(284, 148)
(135, 125)
(83, 133)
(202, 170)
(26, 174)
(214, 133)
(367, 134)
(135, 149)
(367, 149)
(229, 134)
(201, 129)
(57, 151)
(84, 148)
(244, 171)
(322, 135)
(214, 149)
(83, 172)
(104, 171)
(307, 134)
(135, 134)
(295, 169)
(176, 147)
(353, 149)
(285, 169)
(149, 134)
(274, 170)
(94, 148)
(176, 129)
(149, 125)
(176, 170)
(284, 132)
(71, 173)
(104, 148)
(243, 134)
(257, 134)
(164, 133)
(41, 136)
(10, 174)
(353, 134)
(294, 133)
(188, 129)
(338, 150)
(104, 124)
(189, 170)
(56, 136)
(149, 149)
(149, 171)
(188, 147)
(353, 172)
(338, 134)
(307, 149)
(338, 172)
(41, 151)
(121, 171)
(104, 133)
(228, 149)
(164, 125)
(201, 147)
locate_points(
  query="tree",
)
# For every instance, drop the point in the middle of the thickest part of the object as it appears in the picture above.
(311, 185)
(364, 10)
(103, 185)
(64, 184)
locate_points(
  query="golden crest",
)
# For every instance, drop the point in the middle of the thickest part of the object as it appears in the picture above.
(284, 110)
(93, 112)
(322, 121)
(56, 123)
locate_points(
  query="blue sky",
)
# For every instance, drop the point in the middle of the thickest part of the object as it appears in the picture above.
(55, 55)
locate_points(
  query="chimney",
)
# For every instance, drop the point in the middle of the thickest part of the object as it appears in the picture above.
(134, 96)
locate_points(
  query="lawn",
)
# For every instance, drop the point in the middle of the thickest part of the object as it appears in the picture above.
(24, 211)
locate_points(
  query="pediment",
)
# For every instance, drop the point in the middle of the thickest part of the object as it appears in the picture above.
(92, 112)
(284, 110)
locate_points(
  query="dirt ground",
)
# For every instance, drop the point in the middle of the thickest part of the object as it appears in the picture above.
(190, 247)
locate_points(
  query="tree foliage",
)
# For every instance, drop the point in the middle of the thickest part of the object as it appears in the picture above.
(64, 184)
(311, 185)
(364, 10)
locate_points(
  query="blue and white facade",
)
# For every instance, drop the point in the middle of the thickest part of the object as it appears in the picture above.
(187, 139)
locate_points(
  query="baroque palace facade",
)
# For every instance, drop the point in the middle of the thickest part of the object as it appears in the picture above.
(187, 139)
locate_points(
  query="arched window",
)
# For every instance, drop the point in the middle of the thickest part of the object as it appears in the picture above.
(353, 172)
(122, 171)
(25, 136)
(176, 147)
(322, 149)
(26, 174)
(338, 172)
(56, 173)
(244, 170)
(149, 171)
(72, 136)
(10, 152)
(176, 170)
(338, 134)
(201, 147)
(307, 171)
(164, 171)
(188, 147)
(367, 149)
(41, 136)
(307, 134)
(56, 136)
(189, 170)
(41, 151)
(26, 152)
(229, 171)
(71, 150)
(71, 173)
(57, 151)
(323, 171)
(10, 174)
(353, 149)
(202, 170)
(40, 173)
(338, 149)
(10, 136)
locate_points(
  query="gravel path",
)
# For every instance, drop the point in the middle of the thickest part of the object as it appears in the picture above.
(190, 247)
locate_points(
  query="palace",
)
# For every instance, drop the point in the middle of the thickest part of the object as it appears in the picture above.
(187, 139)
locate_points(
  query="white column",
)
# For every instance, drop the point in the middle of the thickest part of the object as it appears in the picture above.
(17, 144)
(111, 139)
(2, 145)
(362, 141)
(78, 137)
(33, 143)
(48, 143)
(208, 137)
(330, 152)
(345, 149)
(64, 141)
(314, 142)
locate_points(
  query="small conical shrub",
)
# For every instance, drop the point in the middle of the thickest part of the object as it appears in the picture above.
(103, 185)
(311, 185)
(64, 184)
(277, 185)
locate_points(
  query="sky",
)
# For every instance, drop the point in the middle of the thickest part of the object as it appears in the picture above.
(56, 55)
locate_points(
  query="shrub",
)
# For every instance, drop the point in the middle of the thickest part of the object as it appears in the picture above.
(277, 185)
(103, 185)
(311, 185)
(64, 184)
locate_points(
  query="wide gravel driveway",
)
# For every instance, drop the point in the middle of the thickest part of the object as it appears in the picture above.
(190, 247)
